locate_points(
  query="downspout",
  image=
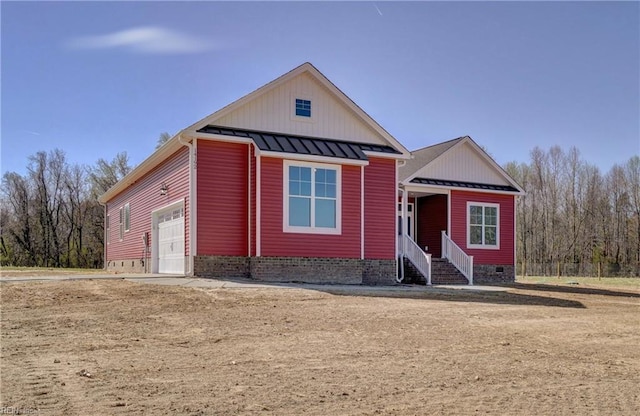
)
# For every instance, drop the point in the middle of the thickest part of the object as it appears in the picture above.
(192, 202)
(399, 253)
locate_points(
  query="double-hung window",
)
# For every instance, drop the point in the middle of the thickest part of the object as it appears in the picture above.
(483, 230)
(121, 223)
(127, 217)
(312, 200)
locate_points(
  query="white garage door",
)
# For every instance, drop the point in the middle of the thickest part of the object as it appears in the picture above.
(171, 241)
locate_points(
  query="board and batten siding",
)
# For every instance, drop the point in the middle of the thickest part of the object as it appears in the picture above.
(274, 111)
(275, 242)
(223, 198)
(463, 163)
(505, 254)
(144, 197)
(380, 209)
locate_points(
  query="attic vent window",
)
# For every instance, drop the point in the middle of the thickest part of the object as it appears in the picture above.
(303, 108)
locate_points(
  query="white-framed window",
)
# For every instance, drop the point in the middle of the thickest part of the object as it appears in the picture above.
(127, 217)
(108, 226)
(121, 223)
(312, 198)
(483, 225)
(302, 108)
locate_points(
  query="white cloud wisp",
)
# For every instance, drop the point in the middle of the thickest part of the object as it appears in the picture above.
(151, 40)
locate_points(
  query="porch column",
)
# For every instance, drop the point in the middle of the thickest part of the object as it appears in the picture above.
(405, 205)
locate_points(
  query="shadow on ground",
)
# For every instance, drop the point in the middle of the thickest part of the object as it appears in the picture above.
(459, 295)
(571, 289)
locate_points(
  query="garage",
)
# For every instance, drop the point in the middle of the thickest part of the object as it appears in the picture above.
(170, 240)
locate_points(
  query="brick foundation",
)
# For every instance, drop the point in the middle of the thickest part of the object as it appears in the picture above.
(490, 273)
(221, 266)
(298, 269)
(379, 272)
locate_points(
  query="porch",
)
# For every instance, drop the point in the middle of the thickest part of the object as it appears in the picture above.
(425, 252)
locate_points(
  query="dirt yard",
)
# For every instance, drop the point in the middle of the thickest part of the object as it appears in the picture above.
(102, 347)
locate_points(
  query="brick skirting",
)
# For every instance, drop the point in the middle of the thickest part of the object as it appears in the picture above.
(493, 273)
(298, 269)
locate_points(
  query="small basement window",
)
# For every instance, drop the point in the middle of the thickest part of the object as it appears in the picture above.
(303, 108)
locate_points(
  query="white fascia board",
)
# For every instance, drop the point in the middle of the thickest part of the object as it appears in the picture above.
(218, 137)
(166, 150)
(416, 187)
(387, 155)
(313, 158)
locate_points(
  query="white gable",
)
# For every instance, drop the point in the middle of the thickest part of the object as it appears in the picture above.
(274, 111)
(465, 164)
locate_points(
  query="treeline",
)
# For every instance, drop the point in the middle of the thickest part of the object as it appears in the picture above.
(50, 216)
(575, 220)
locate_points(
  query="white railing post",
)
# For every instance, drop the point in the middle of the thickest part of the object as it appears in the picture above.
(420, 259)
(452, 252)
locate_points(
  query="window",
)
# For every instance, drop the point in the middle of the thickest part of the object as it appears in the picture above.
(121, 223)
(483, 225)
(127, 217)
(108, 230)
(303, 108)
(312, 198)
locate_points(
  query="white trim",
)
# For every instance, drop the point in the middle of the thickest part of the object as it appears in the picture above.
(217, 137)
(249, 201)
(313, 72)
(384, 155)
(362, 212)
(193, 202)
(285, 199)
(412, 229)
(468, 225)
(483, 155)
(302, 96)
(127, 213)
(416, 187)
(313, 158)
(258, 202)
(154, 229)
(449, 215)
(515, 236)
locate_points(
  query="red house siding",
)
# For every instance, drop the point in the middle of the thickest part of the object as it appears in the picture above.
(380, 209)
(459, 201)
(143, 198)
(431, 221)
(275, 242)
(223, 177)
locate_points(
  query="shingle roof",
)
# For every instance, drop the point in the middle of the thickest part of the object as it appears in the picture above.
(277, 142)
(424, 156)
(460, 184)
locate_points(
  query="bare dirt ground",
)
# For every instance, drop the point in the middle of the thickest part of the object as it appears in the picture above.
(101, 347)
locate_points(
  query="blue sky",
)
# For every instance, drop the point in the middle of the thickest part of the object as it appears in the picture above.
(94, 79)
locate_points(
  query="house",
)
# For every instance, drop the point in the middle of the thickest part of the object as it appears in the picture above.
(295, 182)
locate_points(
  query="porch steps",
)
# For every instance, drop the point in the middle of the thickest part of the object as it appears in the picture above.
(442, 273)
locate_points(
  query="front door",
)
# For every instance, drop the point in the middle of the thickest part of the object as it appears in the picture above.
(410, 221)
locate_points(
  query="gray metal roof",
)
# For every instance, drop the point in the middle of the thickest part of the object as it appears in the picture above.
(278, 142)
(424, 156)
(468, 185)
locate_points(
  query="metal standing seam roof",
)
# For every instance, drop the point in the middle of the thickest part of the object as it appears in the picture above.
(277, 142)
(460, 184)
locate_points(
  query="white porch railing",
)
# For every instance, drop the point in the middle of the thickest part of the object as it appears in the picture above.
(420, 259)
(457, 257)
